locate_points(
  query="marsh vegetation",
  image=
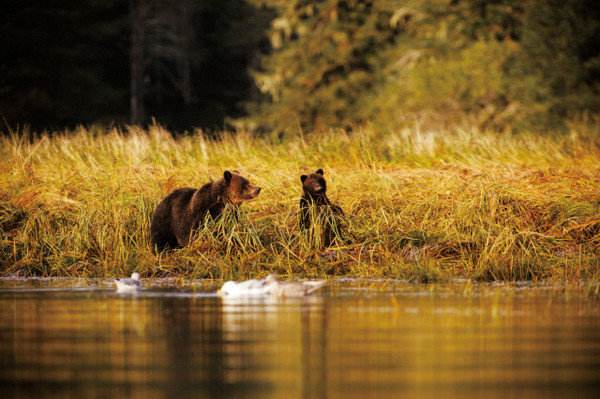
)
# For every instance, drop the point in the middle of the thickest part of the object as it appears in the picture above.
(421, 204)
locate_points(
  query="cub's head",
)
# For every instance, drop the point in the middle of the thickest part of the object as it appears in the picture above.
(314, 184)
(238, 188)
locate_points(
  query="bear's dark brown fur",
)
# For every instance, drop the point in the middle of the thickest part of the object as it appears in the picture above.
(314, 199)
(180, 214)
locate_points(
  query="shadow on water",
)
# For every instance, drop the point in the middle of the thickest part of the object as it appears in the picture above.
(354, 339)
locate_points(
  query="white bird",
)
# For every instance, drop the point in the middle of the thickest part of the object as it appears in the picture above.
(129, 285)
(292, 290)
(245, 288)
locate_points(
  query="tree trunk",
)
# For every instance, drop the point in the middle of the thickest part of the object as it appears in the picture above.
(136, 62)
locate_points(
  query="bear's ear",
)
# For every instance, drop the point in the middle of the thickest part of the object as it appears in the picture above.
(319, 172)
(302, 178)
(227, 176)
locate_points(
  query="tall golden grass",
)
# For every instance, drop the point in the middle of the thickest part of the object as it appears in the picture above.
(421, 204)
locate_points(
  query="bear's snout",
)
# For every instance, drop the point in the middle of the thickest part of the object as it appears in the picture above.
(249, 192)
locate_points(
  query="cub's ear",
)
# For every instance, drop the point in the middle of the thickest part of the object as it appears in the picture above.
(227, 176)
(319, 172)
(302, 178)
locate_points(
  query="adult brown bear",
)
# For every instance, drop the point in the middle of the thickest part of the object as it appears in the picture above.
(180, 214)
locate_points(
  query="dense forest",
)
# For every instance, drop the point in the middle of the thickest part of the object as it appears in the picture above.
(290, 65)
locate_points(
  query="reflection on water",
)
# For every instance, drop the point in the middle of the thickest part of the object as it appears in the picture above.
(355, 339)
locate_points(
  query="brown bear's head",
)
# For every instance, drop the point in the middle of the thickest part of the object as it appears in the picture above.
(314, 184)
(239, 188)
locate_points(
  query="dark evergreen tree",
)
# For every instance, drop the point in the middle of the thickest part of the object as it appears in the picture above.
(184, 63)
(323, 63)
(189, 59)
(61, 62)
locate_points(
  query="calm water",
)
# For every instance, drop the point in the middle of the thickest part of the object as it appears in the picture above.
(355, 339)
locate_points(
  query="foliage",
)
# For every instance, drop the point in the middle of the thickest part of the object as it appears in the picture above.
(289, 66)
(505, 64)
(560, 47)
(324, 60)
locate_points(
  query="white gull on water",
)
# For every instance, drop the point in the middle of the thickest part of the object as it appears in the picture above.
(129, 285)
(292, 290)
(245, 288)
(270, 286)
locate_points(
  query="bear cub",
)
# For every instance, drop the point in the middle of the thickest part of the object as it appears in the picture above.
(183, 211)
(314, 200)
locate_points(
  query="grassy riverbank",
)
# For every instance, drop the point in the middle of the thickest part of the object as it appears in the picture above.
(421, 205)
